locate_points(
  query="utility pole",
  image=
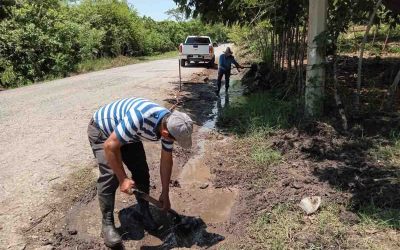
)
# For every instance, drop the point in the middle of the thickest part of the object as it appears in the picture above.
(315, 77)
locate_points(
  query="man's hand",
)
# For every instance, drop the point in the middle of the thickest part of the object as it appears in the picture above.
(126, 186)
(164, 199)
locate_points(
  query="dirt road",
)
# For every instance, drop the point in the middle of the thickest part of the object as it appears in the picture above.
(44, 135)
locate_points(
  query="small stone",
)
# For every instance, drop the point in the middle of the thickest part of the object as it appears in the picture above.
(72, 231)
(296, 185)
(174, 183)
(46, 242)
(204, 186)
(310, 204)
(286, 182)
(349, 217)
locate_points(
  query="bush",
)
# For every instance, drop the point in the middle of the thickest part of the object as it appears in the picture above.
(37, 42)
(49, 38)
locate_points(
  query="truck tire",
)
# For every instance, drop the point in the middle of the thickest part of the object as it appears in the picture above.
(211, 63)
(183, 62)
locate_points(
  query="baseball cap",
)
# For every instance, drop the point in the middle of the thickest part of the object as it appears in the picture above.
(228, 51)
(180, 126)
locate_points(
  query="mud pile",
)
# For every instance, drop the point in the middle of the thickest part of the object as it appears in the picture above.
(187, 232)
(317, 161)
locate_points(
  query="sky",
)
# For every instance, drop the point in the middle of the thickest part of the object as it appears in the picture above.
(153, 8)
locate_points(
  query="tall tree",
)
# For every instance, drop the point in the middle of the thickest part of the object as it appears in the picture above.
(315, 80)
(360, 59)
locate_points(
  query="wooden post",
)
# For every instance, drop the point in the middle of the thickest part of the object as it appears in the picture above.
(315, 77)
(180, 77)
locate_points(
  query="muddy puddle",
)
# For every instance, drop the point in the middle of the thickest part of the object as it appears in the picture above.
(203, 208)
(213, 205)
(225, 99)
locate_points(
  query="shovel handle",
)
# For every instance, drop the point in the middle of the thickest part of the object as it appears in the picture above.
(144, 196)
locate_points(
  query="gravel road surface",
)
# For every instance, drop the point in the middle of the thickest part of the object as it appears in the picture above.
(43, 131)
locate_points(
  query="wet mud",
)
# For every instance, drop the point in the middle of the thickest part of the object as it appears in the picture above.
(189, 231)
(203, 207)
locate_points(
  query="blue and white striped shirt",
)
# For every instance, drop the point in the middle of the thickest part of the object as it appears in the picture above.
(132, 119)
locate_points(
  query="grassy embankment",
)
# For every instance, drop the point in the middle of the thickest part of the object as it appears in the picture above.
(107, 62)
(253, 120)
(350, 42)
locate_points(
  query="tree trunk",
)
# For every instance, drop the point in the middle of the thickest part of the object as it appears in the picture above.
(373, 39)
(338, 100)
(386, 40)
(360, 59)
(273, 49)
(301, 61)
(279, 44)
(289, 51)
(295, 56)
(392, 91)
(283, 42)
(315, 79)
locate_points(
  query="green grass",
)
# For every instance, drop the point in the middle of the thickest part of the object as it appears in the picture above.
(253, 118)
(380, 218)
(264, 155)
(389, 153)
(394, 49)
(350, 44)
(254, 113)
(107, 62)
(275, 230)
(103, 63)
(286, 227)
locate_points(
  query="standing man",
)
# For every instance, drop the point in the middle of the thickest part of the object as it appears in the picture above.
(115, 134)
(224, 68)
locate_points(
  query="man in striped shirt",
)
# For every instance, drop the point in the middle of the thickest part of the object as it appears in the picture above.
(115, 134)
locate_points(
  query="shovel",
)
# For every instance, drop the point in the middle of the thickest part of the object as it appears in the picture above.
(183, 225)
(142, 195)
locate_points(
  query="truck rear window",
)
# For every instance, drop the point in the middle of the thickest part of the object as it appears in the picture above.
(198, 40)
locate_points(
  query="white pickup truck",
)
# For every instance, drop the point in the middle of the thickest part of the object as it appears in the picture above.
(197, 49)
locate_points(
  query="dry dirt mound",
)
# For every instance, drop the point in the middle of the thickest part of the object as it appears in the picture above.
(317, 160)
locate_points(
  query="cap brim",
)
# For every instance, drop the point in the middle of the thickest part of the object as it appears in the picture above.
(185, 143)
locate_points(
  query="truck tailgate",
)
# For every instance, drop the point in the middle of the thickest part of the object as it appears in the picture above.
(195, 49)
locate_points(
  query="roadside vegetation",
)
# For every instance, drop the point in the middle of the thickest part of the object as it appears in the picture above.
(279, 161)
(349, 156)
(51, 38)
(112, 62)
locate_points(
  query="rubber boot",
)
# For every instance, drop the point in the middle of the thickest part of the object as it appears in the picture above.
(108, 231)
(147, 219)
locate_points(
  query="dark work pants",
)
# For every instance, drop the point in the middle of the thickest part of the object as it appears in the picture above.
(133, 156)
(227, 76)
